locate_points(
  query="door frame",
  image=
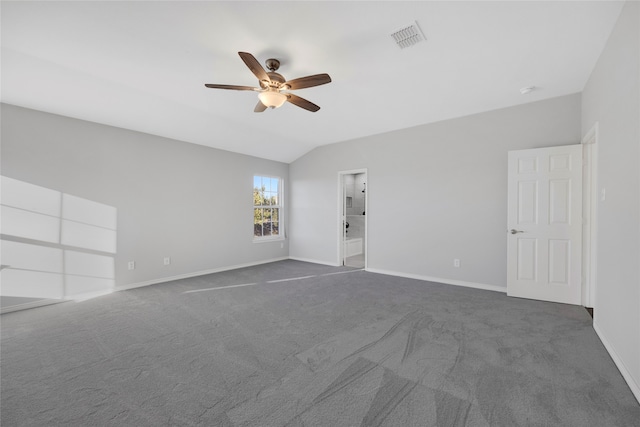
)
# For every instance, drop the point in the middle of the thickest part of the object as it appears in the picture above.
(590, 198)
(341, 209)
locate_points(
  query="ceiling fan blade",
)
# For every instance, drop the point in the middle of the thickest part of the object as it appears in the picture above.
(309, 81)
(232, 87)
(254, 66)
(260, 107)
(302, 103)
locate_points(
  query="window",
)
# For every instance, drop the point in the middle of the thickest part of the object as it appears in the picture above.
(267, 208)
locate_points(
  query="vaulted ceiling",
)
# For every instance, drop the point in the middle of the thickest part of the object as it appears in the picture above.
(142, 65)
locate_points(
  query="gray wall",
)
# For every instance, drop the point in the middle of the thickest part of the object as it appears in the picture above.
(612, 99)
(185, 201)
(435, 192)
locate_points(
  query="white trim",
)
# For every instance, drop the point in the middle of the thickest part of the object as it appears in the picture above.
(590, 216)
(635, 387)
(27, 305)
(314, 261)
(473, 285)
(267, 239)
(90, 295)
(195, 274)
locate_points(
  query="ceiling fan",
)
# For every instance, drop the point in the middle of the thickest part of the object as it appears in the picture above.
(273, 85)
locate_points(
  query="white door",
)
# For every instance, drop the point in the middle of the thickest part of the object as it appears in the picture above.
(544, 244)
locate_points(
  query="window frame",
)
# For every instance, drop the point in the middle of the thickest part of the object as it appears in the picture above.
(279, 206)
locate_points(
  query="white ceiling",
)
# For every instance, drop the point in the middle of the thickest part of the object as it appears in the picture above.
(142, 65)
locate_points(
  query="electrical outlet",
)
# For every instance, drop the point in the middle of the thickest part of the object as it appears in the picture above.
(167, 260)
(456, 263)
(131, 265)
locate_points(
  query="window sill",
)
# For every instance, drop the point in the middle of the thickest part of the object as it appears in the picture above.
(267, 239)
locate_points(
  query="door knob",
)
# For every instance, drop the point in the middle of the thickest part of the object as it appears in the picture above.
(514, 231)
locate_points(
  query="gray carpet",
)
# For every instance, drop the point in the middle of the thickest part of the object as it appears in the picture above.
(331, 347)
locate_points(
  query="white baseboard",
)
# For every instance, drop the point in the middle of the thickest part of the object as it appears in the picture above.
(194, 274)
(91, 295)
(27, 305)
(633, 384)
(474, 285)
(314, 261)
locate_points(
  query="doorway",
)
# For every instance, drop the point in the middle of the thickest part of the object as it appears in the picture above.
(352, 239)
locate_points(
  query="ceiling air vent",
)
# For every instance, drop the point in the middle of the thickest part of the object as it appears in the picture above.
(408, 36)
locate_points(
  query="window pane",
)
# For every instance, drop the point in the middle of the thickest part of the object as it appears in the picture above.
(257, 229)
(258, 196)
(257, 216)
(276, 215)
(274, 185)
(275, 228)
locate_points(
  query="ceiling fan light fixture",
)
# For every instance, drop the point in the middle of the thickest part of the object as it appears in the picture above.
(272, 98)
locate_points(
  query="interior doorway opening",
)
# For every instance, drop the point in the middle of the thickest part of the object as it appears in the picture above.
(352, 241)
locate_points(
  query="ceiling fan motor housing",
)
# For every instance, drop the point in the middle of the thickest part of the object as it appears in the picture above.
(276, 82)
(276, 78)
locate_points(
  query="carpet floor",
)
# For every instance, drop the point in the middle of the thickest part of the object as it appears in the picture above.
(298, 344)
